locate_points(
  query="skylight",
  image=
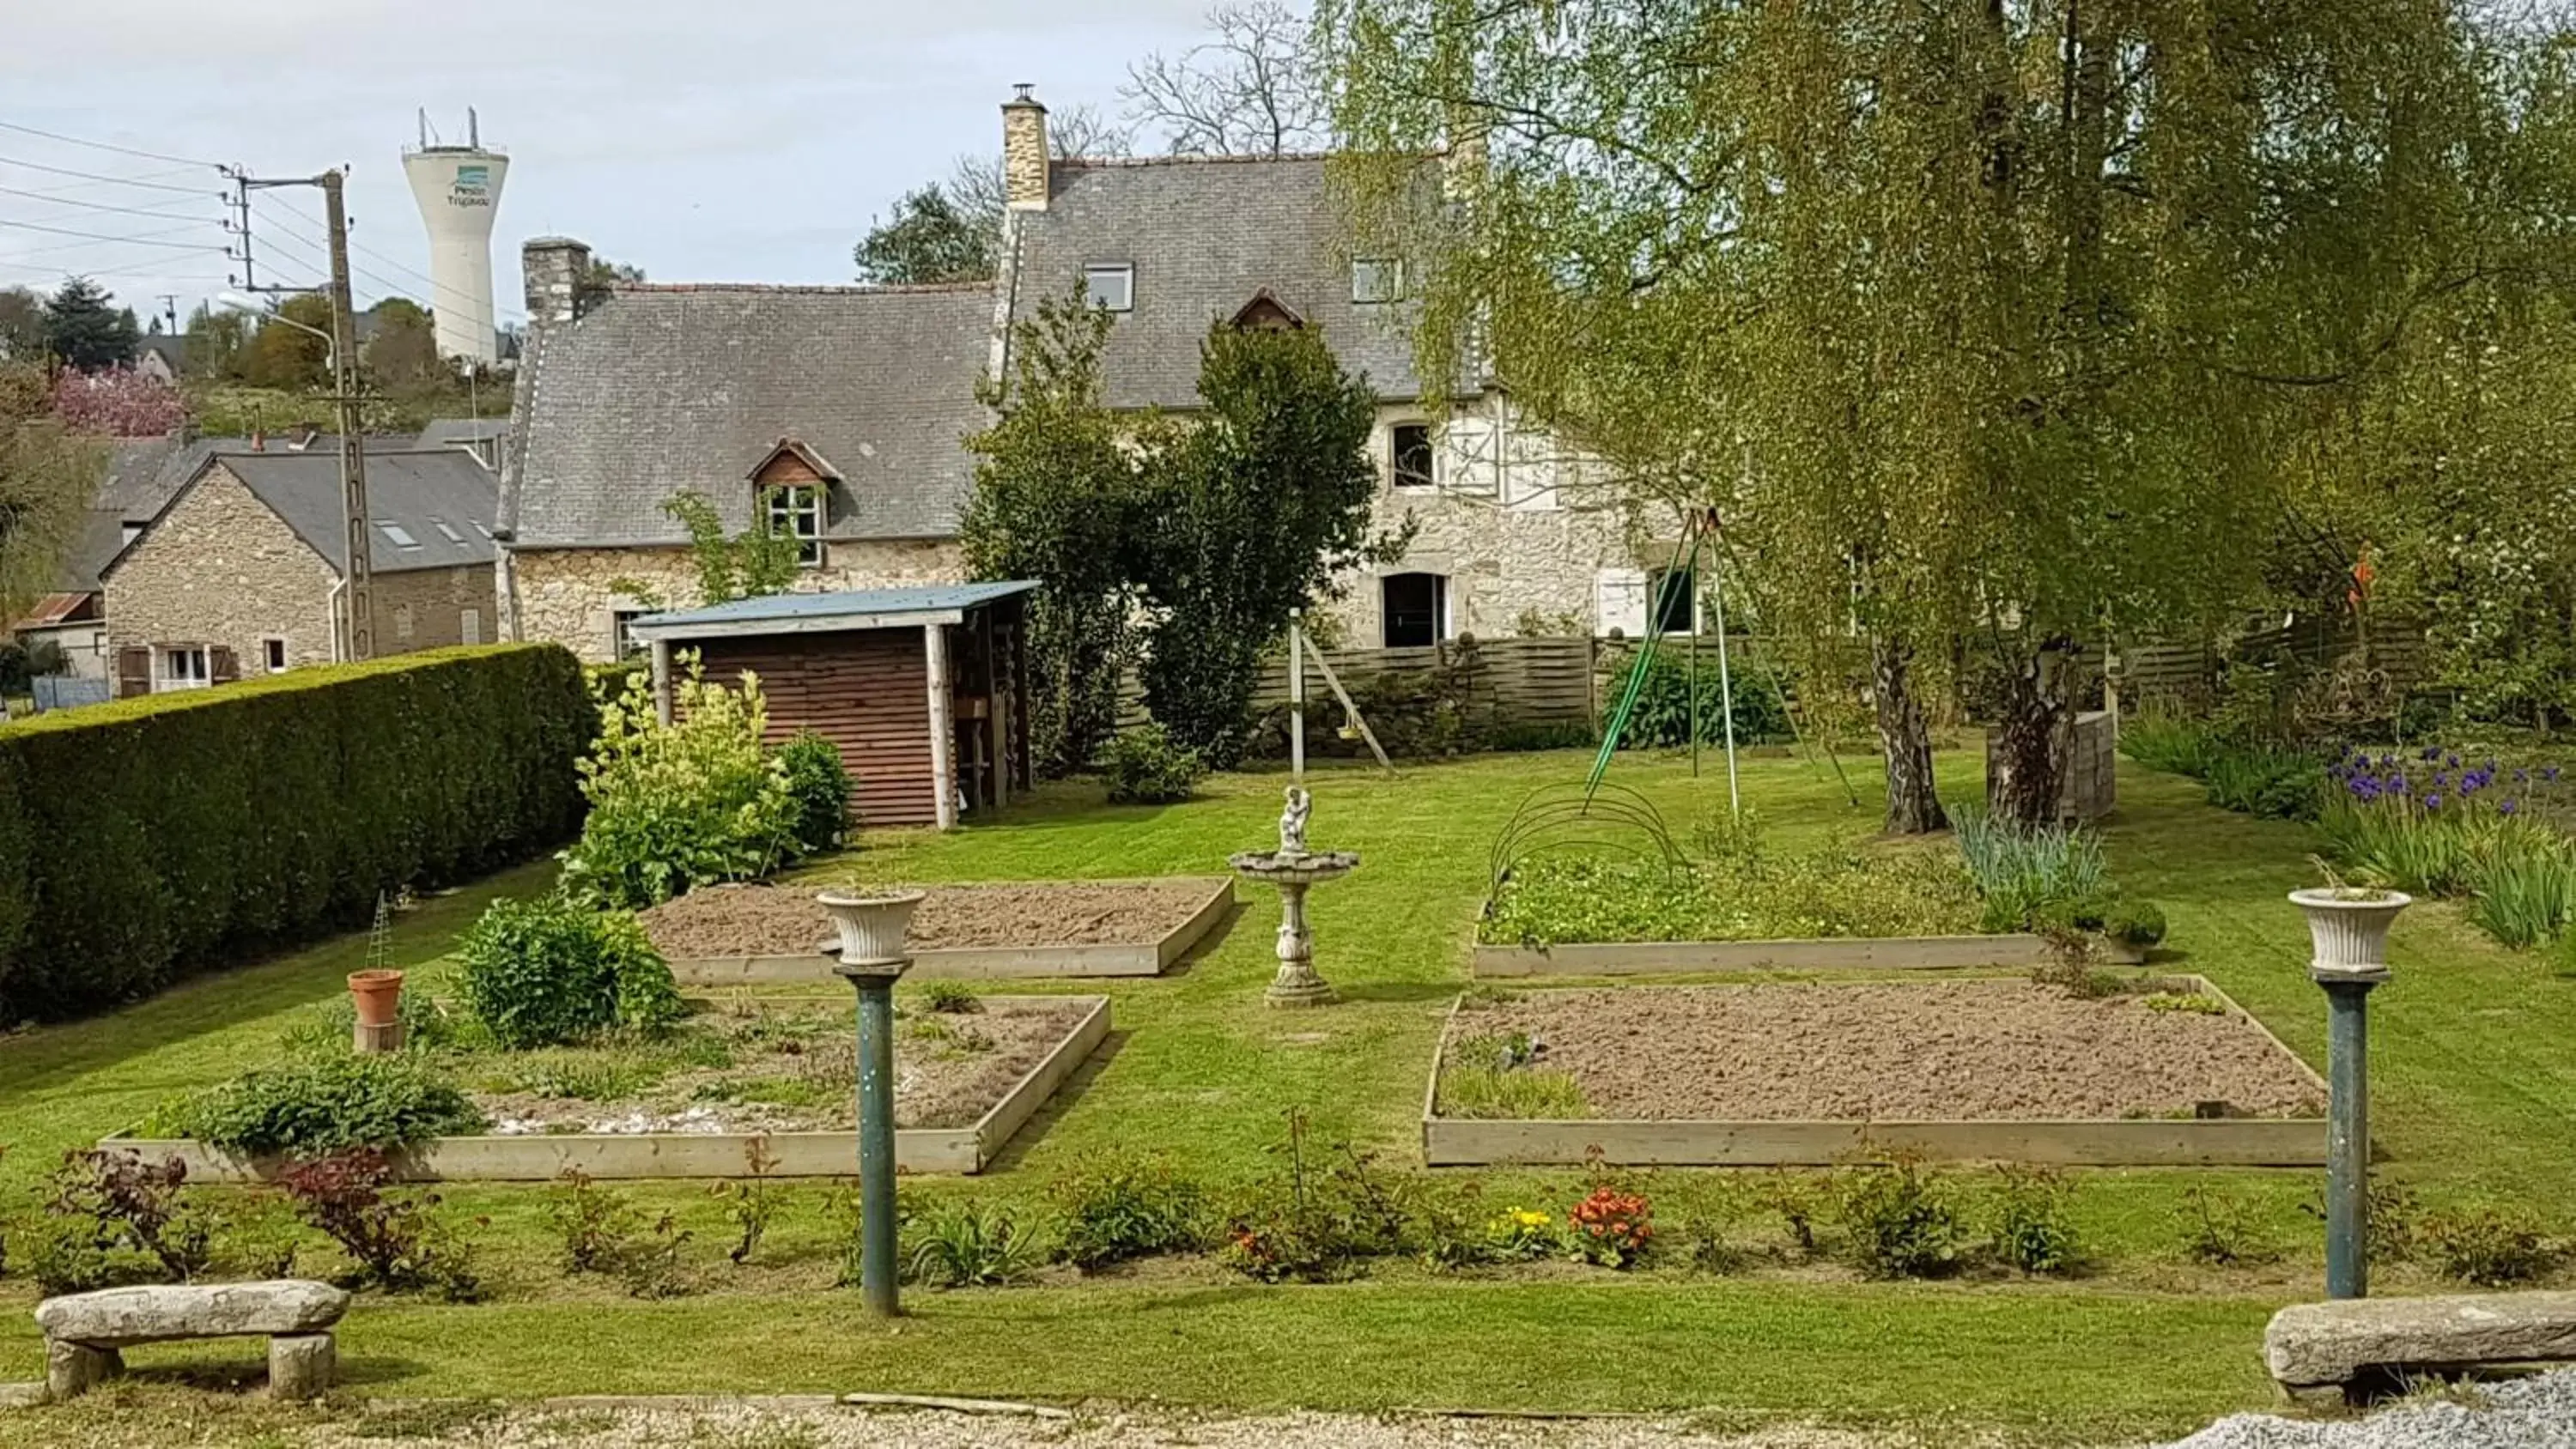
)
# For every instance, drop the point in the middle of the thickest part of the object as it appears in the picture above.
(451, 535)
(400, 535)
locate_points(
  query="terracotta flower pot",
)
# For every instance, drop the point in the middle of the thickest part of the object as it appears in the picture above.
(378, 994)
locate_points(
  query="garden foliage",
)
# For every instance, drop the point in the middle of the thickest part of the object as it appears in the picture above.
(820, 785)
(549, 971)
(673, 806)
(1129, 1207)
(1662, 717)
(394, 1241)
(151, 835)
(1751, 893)
(2436, 824)
(1146, 767)
(326, 1105)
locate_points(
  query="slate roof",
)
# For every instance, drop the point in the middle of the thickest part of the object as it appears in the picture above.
(663, 388)
(845, 609)
(413, 490)
(460, 432)
(1206, 235)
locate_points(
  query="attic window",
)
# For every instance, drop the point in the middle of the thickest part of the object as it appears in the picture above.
(1377, 279)
(400, 535)
(450, 534)
(795, 510)
(1111, 286)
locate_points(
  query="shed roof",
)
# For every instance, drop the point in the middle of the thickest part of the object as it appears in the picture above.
(666, 388)
(827, 613)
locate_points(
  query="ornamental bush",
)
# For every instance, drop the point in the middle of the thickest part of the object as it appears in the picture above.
(820, 785)
(179, 831)
(326, 1105)
(545, 972)
(1147, 768)
(678, 805)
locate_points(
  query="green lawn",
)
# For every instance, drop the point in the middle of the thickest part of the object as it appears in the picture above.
(2475, 1096)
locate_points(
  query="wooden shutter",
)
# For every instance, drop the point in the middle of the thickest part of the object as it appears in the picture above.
(133, 671)
(226, 665)
(1619, 597)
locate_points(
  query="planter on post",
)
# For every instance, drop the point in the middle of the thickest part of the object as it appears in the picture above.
(378, 998)
(2348, 929)
(872, 960)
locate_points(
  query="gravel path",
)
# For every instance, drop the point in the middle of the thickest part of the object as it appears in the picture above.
(2533, 1413)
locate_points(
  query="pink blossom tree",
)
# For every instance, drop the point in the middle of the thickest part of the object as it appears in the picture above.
(116, 402)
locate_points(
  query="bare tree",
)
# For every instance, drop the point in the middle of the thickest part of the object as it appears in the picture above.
(1254, 90)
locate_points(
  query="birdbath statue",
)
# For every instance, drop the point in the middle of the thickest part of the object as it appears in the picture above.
(1294, 869)
(873, 956)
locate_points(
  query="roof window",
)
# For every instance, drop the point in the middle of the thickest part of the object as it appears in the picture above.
(400, 535)
(1111, 286)
(450, 534)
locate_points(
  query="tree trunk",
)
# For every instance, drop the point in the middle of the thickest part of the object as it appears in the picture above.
(1913, 805)
(2028, 763)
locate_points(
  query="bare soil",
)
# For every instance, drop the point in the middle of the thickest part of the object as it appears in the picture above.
(1824, 1051)
(758, 1069)
(770, 920)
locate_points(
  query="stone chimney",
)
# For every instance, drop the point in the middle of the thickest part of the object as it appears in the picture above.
(1024, 151)
(1462, 168)
(552, 269)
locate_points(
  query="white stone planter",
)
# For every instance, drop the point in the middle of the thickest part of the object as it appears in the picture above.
(2349, 929)
(872, 927)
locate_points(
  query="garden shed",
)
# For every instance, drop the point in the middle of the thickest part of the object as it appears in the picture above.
(925, 690)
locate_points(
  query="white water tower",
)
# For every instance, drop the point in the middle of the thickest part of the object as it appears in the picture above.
(459, 189)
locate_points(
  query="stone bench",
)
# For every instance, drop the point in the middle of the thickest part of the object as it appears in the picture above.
(2318, 1352)
(86, 1333)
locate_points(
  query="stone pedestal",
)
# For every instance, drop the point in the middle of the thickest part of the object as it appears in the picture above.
(301, 1366)
(73, 1369)
(1296, 984)
(377, 1040)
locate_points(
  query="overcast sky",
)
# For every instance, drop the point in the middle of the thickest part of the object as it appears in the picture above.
(711, 140)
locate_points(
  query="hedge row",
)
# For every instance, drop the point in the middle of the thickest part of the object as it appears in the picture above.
(155, 835)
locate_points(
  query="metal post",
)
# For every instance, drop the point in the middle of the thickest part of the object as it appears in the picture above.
(1725, 692)
(2348, 1136)
(876, 1143)
(943, 736)
(1296, 697)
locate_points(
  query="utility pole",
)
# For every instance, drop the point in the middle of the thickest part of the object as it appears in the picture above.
(359, 629)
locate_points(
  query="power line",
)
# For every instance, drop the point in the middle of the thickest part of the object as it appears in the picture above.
(102, 236)
(54, 191)
(95, 176)
(82, 245)
(158, 276)
(97, 205)
(498, 307)
(103, 145)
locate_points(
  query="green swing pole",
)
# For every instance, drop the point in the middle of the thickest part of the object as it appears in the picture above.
(1618, 724)
(1725, 694)
(1691, 538)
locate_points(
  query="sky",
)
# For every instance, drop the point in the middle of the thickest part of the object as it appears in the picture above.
(749, 140)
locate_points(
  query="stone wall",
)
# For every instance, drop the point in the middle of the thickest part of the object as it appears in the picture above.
(220, 569)
(571, 596)
(427, 608)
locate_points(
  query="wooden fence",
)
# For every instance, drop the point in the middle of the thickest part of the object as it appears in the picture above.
(2193, 668)
(1499, 684)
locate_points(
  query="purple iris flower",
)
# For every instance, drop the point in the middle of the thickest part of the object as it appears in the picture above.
(2506, 807)
(2397, 784)
(2522, 777)
(2550, 775)
(2431, 753)
(2442, 780)
(2453, 762)
(2432, 802)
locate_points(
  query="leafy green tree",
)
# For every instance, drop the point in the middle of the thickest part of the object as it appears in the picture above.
(84, 330)
(215, 342)
(1984, 327)
(22, 325)
(1058, 478)
(403, 354)
(929, 238)
(603, 277)
(1249, 513)
(292, 358)
(48, 475)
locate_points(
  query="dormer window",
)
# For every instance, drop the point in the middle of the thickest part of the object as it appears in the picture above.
(1111, 286)
(795, 510)
(1377, 279)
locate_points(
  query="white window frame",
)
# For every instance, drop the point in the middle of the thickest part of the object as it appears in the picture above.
(469, 626)
(272, 654)
(195, 671)
(1430, 478)
(1389, 273)
(621, 644)
(1123, 273)
(796, 509)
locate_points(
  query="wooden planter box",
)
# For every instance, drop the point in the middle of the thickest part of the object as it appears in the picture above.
(542, 1157)
(1820, 953)
(2098, 1142)
(1146, 958)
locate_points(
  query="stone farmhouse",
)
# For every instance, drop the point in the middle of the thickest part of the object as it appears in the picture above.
(241, 569)
(838, 412)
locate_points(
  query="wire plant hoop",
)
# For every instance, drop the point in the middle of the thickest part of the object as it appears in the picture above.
(1572, 818)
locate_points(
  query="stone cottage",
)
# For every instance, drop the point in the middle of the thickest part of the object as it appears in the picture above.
(838, 412)
(240, 571)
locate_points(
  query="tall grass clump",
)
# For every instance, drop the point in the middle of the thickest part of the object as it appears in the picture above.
(2031, 873)
(2163, 741)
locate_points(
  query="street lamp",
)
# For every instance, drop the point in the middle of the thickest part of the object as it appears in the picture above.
(2348, 929)
(873, 955)
(236, 302)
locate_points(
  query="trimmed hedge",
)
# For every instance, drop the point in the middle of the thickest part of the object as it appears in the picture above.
(155, 835)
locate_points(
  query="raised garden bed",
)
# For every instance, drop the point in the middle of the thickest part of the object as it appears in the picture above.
(965, 1084)
(1815, 953)
(760, 934)
(1813, 1073)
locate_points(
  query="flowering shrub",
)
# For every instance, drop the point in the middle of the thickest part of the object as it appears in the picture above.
(117, 402)
(1523, 1234)
(1611, 1228)
(682, 804)
(2435, 823)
